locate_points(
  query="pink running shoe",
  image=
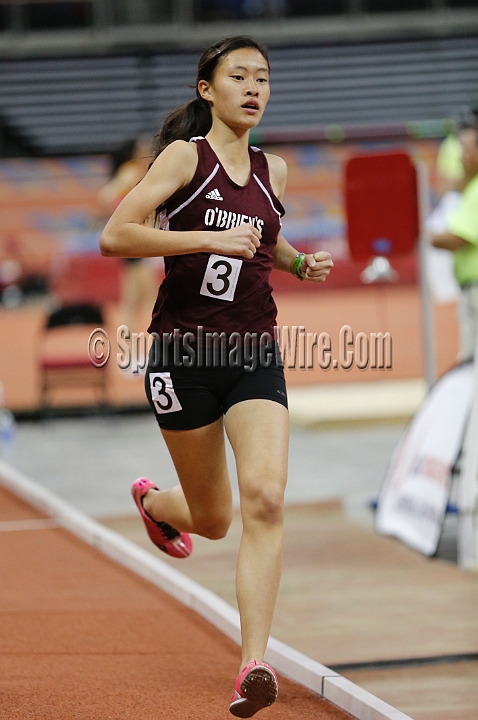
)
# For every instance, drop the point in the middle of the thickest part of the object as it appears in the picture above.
(255, 688)
(168, 539)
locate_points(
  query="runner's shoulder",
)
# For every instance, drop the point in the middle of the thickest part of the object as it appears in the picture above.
(179, 157)
(277, 173)
(276, 163)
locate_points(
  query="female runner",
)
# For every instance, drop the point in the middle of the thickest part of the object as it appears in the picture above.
(139, 285)
(220, 203)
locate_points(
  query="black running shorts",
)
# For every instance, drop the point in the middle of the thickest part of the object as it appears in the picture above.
(184, 397)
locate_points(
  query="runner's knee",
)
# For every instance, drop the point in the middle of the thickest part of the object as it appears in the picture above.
(263, 503)
(213, 527)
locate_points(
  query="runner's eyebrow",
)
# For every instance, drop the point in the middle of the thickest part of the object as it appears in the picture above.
(241, 67)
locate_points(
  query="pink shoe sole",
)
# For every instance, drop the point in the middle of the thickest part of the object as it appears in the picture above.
(166, 538)
(255, 688)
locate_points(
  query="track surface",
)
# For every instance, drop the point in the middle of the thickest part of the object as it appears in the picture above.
(82, 638)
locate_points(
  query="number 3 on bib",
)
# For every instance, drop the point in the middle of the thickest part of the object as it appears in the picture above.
(220, 278)
(163, 394)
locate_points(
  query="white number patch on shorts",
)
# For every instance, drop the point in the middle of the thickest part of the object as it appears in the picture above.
(220, 278)
(163, 393)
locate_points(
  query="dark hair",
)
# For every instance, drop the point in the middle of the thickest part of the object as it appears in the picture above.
(195, 118)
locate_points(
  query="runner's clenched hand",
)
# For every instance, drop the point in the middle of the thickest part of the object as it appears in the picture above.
(242, 240)
(316, 266)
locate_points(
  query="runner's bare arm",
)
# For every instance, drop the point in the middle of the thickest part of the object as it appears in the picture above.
(447, 241)
(125, 235)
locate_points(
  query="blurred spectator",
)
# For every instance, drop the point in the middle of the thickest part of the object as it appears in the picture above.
(139, 283)
(129, 164)
(461, 235)
(439, 262)
(10, 274)
(450, 163)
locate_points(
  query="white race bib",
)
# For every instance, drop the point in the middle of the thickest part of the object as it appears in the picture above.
(220, 278)
(163, 393)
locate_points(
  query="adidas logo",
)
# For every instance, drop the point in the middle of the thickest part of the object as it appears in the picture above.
(214, 195)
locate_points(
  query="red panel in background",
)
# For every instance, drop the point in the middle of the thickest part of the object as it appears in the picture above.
(90, 278)
(381, 201)
(87, 278)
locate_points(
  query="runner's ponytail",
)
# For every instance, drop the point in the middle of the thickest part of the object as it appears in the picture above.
(185, 122)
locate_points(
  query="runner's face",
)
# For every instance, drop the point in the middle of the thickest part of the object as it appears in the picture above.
(240, 90)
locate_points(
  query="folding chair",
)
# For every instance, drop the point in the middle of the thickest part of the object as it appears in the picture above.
(64, 360)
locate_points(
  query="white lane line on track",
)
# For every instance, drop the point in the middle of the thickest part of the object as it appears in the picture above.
(38, 524)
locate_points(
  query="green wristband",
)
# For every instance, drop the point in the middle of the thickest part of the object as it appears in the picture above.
(296, 264)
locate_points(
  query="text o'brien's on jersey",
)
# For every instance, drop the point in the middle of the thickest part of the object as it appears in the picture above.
(224, 219)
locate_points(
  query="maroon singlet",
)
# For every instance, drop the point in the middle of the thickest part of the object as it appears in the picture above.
(220, 293)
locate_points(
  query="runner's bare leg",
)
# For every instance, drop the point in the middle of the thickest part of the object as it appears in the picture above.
(259, 434)
(202, 503)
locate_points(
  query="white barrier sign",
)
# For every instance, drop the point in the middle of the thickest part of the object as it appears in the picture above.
(414, 494)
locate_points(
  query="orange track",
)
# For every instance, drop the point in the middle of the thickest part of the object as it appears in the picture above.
(82, 638)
